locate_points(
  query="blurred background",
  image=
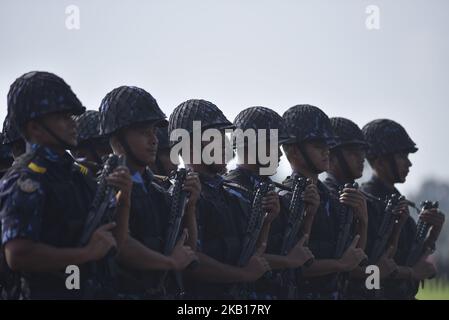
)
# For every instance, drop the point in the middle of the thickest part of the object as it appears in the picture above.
(239, 54)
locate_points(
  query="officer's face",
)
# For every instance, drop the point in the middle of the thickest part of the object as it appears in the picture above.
(318, 152)
(403, 164)
(355, 157)
(142, 140)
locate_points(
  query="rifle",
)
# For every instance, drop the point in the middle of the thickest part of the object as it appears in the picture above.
(99, 212)
(385, 229)
(296, 216)
(344, 239)
(253, 229)
(179, 199)
(421, 234)
(410, 287)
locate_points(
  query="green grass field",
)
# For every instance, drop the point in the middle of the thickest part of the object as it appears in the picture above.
(434, 290)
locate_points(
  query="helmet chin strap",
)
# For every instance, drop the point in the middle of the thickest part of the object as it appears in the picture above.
(60, 141)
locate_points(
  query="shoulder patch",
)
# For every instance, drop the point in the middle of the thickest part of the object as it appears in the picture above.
(36, 168)
(27, 185)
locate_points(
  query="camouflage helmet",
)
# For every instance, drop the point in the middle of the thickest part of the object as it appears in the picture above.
(38, 93)
(306, 122)
(387, 137)
(163, 138)
(10, 133)
(128, 105)
(88, 125)
(262, 118)
(347, 132)
(198, 110)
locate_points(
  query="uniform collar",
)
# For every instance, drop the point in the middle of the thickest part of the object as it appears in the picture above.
(46, 157)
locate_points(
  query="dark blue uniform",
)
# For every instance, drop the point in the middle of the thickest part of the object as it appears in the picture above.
(322, 243)
(394, 289)
(220, 231)
(270, 286)
(45, 198)
(375, 207)
(148, 224)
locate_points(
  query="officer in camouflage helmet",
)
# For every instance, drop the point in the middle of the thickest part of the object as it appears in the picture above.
(388, 156)
(12, 138)
(91, 147)
(130, 117)
(220, 211)
(308, 154)
(45, 199)
(347, 156)
(248, 175)
(347, 153)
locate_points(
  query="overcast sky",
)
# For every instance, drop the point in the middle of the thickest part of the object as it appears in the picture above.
(243, 53)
